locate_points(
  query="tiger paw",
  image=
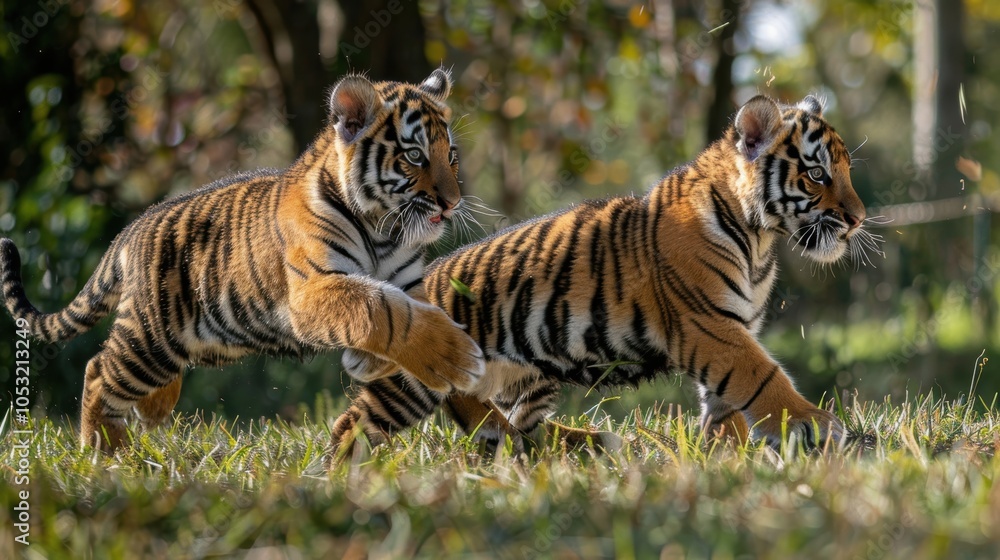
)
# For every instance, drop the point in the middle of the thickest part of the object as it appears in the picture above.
(600, 441)
(813, 428)
(367, 367)
(731, 428)
(439, 353)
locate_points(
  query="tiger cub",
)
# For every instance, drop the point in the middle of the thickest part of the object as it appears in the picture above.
(678, 279)
(327, 253)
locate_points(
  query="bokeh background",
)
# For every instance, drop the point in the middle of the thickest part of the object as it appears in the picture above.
(112, 105)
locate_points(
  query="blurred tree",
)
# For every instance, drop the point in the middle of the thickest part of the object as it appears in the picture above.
(291, 35)
(721, 109)
(380, 38)
(948, 100)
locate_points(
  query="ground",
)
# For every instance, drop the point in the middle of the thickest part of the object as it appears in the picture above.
(917, 481)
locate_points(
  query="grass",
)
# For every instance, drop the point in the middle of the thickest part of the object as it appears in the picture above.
(917, 482)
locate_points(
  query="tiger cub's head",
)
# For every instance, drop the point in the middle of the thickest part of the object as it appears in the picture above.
(398, 162)
(802, 176)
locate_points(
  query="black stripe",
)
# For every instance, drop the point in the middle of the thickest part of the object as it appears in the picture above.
(317, 268)
(107, 387)
(725, 278)
(727, 313)
(730, 225)
(519, 319)
(410, 285)
(343, 251)
(760, 389)
(720, 389)
(388, 317)
(329, 225)
(708, 333)
(414, 258)
(388, 402)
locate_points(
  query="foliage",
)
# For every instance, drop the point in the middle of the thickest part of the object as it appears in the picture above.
(918, 481)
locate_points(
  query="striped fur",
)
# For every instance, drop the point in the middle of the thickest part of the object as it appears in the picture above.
(678, 279)
(325, 254)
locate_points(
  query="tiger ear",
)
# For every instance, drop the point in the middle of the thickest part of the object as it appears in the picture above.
(811, 104)
(438, 84)
(757, 124)
(353, 104)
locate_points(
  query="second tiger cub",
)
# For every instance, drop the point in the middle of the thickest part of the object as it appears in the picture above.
(678, 279)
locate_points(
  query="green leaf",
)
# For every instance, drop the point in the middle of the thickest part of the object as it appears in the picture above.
(461, 288)
(610, 367)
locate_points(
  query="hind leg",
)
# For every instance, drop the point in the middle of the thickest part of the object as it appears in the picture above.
(382, 408)
(531, 402)
(154, 409)
(102, 420)
(118, 379)
(525, 401)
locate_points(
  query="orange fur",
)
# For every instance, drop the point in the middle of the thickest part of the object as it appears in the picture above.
(318, 256)
(678, 279)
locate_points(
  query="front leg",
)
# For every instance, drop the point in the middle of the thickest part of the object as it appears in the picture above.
(720, 420)
(356, 311)
(738, 376)
(366, 367)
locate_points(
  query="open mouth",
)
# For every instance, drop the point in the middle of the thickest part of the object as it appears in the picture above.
(436, 219)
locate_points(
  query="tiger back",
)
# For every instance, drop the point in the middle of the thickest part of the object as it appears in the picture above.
(328, 253)
(678, 279)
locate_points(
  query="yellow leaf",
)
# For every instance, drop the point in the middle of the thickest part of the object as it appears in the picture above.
(639, 16)
(629, 50)
(972, 169)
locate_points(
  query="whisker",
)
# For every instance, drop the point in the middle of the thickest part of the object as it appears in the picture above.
(380, 225)
(792, 235)
(467, 217)
(809, 235)
(878, 220)
(865, 141)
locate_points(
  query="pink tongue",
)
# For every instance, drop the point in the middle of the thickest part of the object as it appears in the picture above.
(436, 219)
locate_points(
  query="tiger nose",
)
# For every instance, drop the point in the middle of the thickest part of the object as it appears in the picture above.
(853, 222)
(446, 205)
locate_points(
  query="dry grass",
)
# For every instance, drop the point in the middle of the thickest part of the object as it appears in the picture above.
(917, 481)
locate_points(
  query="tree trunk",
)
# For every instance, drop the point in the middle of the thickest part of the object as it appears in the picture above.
(291, 36)
(721, 108)
(950, 131)
(383, 44)
(377, 42)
